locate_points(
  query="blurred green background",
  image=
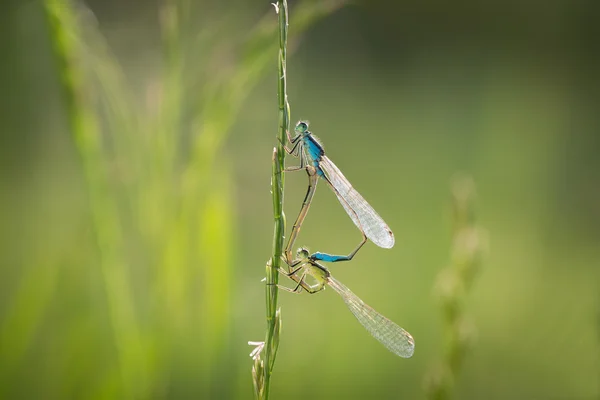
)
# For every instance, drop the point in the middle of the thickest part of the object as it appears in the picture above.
(134, 239)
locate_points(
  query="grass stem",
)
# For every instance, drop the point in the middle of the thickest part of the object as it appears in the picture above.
(273, 314)
(452, 287)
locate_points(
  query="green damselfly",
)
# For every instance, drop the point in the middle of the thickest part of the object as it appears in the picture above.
(387, 332)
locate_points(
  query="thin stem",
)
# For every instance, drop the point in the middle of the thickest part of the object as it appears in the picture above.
(453, 284)
(273, 316)
(85, 128)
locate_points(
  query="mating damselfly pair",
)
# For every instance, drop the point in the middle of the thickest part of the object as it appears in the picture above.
(313, 160)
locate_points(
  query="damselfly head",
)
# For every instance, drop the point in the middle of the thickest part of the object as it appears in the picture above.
(302, 127)
(302, 253)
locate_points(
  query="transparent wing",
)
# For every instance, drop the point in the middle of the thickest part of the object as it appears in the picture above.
(388, 333)
(362, 214)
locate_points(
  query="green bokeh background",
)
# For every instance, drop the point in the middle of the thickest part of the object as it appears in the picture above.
(404, 96)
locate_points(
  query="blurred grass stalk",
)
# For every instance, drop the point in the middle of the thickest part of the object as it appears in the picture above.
(160, 200)
(85, 127)
(452, 288)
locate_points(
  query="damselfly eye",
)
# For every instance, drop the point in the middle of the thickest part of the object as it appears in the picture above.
(301, 127)
(302, 253)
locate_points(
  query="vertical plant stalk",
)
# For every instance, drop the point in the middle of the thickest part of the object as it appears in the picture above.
(262, 386)
(85, 127)
(452, 287)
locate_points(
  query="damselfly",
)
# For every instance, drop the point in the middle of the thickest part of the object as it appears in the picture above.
(388, 333)
(312, 158)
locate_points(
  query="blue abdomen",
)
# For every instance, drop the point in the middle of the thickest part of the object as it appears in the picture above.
(327, 257)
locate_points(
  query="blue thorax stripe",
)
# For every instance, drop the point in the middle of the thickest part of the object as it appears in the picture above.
(314, 150)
